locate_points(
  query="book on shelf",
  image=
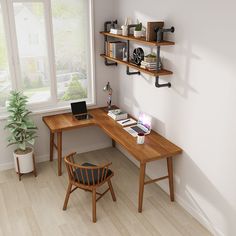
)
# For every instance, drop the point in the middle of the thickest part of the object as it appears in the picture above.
(116, 31)
(150, 58)
(151, 35)
(149, 65)
(116, 49)
(117, 114)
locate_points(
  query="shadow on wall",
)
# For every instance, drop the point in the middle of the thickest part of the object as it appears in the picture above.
(198, 179)
(181, 80)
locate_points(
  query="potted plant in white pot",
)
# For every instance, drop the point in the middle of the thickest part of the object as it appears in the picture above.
(22, 132)
(138, 33)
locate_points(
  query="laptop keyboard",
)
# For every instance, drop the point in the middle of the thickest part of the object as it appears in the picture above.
(137, 129)
(83, 117)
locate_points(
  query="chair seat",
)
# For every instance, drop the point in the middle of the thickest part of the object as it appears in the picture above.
(81, 177)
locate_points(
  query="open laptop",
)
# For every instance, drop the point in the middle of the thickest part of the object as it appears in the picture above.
(143, 125)
(79, 110)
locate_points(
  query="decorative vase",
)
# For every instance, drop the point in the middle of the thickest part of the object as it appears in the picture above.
(26, 163)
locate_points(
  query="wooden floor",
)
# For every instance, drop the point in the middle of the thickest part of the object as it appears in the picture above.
(34, 205)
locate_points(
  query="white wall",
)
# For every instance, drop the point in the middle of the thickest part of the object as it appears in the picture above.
(82, 139)
(198, 112)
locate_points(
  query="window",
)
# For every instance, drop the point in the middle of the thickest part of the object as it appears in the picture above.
(50, 44)
(5, 82)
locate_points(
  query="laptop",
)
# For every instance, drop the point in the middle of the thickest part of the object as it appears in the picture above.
(143, 125)
(79, 110)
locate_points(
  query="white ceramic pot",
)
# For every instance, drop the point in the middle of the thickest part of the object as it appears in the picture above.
(138, 34)
(25, 161)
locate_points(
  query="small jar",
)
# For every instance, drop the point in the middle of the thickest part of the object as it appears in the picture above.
(140, 138)
(124, 30)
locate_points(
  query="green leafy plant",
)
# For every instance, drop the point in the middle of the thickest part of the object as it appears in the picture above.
(139, 27)
(75, 90)
(21, 127)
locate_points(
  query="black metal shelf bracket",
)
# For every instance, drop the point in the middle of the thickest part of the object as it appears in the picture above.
(158, 67)
(106, 24)
(158, 85)
(128, 54)
(132, 73)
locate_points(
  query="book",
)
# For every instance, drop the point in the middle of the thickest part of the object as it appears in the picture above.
(116, 49)
(116, 31)
(117, 114)
(150, 31)
(127, 122)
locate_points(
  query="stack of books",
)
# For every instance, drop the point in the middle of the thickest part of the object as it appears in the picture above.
(117, 114)
(116, 49)
(116, 31)
(149, 65)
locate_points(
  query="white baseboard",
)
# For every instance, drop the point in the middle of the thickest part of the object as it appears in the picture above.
(193, 212)
(42, 158)
(199, 217)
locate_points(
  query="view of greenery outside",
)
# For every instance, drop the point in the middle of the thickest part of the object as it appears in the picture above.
(71, 37)
(75, 90)
(70, 28)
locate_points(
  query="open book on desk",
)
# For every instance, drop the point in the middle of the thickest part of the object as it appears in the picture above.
(127, 122)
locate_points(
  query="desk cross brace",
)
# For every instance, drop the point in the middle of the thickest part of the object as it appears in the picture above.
(156, 180)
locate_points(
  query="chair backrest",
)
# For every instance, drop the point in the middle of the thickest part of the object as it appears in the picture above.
(88, 175)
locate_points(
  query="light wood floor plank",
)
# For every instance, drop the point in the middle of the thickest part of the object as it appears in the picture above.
(34, 205)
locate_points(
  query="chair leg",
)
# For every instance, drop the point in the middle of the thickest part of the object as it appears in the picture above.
(111, 190)
(94, 205)
(67, 196)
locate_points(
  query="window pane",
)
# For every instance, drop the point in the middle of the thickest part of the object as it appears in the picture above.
(5, 84)
(32, 46)
(71, 41)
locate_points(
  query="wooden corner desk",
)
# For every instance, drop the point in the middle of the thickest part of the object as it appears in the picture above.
(155, 147)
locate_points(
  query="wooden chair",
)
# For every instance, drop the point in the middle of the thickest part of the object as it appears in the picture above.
(88, 177)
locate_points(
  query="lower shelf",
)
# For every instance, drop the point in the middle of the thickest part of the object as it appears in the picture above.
(153, 73)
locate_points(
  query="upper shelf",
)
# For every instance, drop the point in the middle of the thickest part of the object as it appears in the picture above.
(139, 40)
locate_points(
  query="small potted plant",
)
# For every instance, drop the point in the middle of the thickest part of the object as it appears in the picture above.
(138, 33)
(22, 131)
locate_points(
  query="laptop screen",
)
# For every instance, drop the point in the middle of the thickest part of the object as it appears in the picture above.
(78, 108)
(145, 120)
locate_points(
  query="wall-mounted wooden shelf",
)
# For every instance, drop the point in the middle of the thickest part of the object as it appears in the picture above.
(152, 73)
(138, 40)
(111, 61)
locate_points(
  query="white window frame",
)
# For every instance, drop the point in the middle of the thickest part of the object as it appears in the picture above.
(14, 62)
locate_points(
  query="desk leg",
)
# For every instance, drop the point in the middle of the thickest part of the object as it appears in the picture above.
(171, 178)
(59, 151)
(113, 143)
(141, 185)
(51, 145)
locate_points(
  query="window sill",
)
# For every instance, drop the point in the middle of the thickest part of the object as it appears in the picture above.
(46, 110)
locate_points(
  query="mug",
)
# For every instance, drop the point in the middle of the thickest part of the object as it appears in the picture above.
(140, 138)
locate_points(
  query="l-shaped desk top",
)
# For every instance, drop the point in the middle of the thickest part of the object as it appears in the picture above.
(155, 146)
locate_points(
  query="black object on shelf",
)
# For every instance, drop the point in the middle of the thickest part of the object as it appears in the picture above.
(138, 56)
(128, 55)
(160, 32)
(112, 25)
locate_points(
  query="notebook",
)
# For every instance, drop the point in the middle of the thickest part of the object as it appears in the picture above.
(143, 125)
